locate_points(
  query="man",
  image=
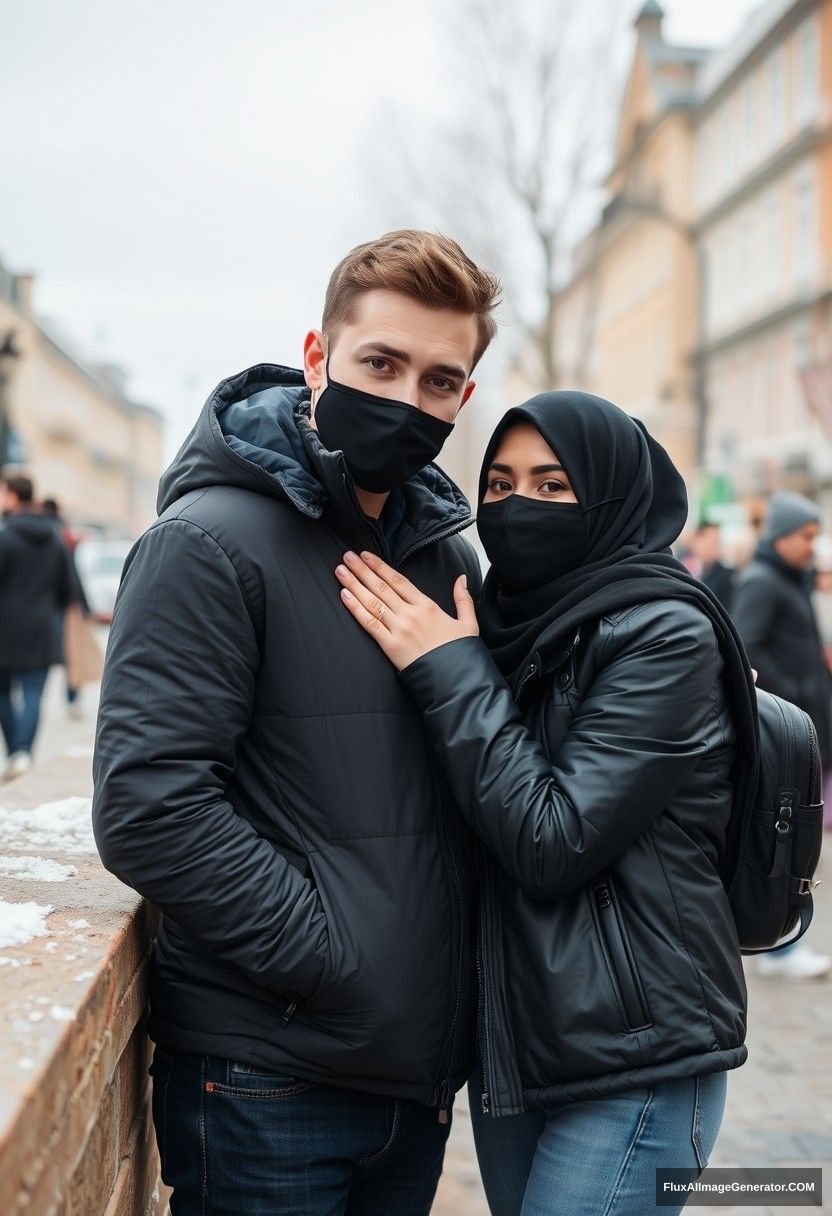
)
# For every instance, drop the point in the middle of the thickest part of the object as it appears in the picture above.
(775, 617)
(263, 778)
(35, 586)
(706, 546)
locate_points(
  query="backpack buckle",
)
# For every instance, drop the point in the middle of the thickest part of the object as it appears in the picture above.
(805, 886)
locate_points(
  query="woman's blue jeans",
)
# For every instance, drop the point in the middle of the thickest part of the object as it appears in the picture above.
(598, 1157)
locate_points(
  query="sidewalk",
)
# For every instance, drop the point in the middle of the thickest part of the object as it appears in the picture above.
(779, 1103)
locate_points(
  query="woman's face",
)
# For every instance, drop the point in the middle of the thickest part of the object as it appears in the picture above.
(525, 464)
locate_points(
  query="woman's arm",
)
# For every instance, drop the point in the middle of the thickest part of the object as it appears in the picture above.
(642, 727)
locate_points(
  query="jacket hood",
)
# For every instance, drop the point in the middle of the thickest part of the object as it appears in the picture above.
(254, 432)
(35, 529)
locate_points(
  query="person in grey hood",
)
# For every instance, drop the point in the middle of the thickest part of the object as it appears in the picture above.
(262, 777)
(775, 616)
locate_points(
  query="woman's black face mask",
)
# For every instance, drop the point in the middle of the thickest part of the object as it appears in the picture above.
(384, 442)
(530, 542)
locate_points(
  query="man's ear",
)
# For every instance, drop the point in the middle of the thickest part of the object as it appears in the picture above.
(314, 360)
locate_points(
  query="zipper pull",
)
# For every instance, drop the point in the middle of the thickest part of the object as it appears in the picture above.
(602, 895)
(444, 1100)
(289, 1013)
(443, 1116)
(486, 1104)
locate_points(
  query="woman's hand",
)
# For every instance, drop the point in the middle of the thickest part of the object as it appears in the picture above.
(405, 623)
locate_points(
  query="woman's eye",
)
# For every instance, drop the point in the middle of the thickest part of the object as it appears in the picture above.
(499, 487)
(553, 487)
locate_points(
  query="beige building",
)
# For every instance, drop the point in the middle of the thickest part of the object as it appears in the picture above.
(70, 425)
(627, 315)
(764, 207)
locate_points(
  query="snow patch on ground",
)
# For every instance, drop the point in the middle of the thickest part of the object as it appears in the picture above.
(41, 869)
(65, 826)
(21, 923)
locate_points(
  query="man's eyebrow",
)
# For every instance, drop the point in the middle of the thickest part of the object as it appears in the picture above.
(447, 369)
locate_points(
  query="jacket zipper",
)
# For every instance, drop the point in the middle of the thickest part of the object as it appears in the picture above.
(486, 1052)
(430, 540)
(443, 1094)
(612, 934)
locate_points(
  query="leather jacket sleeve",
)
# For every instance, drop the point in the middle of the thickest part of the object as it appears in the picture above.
(553, 823)
(177, 701)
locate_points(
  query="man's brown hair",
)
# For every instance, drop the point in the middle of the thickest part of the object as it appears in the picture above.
(427, 267)
(21, 487)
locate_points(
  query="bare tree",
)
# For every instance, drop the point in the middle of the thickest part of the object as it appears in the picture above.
(520, 164)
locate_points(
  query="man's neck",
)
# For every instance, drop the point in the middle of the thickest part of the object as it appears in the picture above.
(371, 504)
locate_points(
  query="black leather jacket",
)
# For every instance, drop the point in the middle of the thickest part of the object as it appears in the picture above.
(608, 953)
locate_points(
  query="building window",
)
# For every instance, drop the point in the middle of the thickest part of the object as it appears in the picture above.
(748, 147)
(805, 242)
(777, 97)
(773, 249)
(807, 70)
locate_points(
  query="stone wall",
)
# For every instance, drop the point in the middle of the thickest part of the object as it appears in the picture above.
(76, 1138)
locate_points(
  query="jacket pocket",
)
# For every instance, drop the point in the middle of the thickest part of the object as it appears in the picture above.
(629, 993)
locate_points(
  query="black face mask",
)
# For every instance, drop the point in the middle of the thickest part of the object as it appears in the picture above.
(384, 442)
(531, 543)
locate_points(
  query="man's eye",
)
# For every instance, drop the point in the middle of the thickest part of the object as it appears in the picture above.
(441, 382)
(377, 363)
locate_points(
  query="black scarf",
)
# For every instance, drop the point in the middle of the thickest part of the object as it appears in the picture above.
(636, 506)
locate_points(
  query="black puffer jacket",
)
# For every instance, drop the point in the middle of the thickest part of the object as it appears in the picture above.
(609, 956)
(35, 586)
(774, 614)
(262, 776)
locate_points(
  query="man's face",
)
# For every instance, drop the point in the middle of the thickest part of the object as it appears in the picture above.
(798, 548)
(395, 347)
(707, 546)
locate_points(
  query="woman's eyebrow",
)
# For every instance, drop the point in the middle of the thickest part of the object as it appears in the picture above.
(501, 468)
(547, 468)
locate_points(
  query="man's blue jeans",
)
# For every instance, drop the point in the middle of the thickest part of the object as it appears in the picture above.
(237, 1140)
(19, 722)
(598, 1157)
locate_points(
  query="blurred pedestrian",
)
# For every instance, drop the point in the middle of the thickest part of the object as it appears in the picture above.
(706, 546)
(775, 616)
(35, 585)
(73, 627)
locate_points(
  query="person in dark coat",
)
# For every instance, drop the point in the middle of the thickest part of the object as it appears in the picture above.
(51, 509)
(712, 570)
(268, 784)
(595, 736)
(775, 615)
(35, 586)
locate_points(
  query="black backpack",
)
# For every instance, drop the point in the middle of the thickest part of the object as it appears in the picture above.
(781, 832)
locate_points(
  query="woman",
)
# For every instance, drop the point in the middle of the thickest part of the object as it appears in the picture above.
(596, 751)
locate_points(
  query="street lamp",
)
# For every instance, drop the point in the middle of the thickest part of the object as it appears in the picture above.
(8, 354)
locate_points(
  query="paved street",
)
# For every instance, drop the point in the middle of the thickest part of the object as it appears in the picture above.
(779, 1103)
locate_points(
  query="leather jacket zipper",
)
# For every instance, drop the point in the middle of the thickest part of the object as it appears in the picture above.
(443, 1092)
(628, 989)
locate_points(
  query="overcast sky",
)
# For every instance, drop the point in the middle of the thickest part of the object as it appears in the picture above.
(181, 176)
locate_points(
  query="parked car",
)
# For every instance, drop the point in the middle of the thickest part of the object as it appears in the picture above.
(99, 564)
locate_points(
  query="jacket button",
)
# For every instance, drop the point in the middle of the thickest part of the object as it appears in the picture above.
(532, 668)
(564, 680)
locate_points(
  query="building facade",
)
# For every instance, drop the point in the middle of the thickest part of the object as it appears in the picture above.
(764, 227)
(628, 312)
(70, 425)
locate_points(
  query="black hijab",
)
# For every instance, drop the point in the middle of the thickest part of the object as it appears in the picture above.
(635, 506)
